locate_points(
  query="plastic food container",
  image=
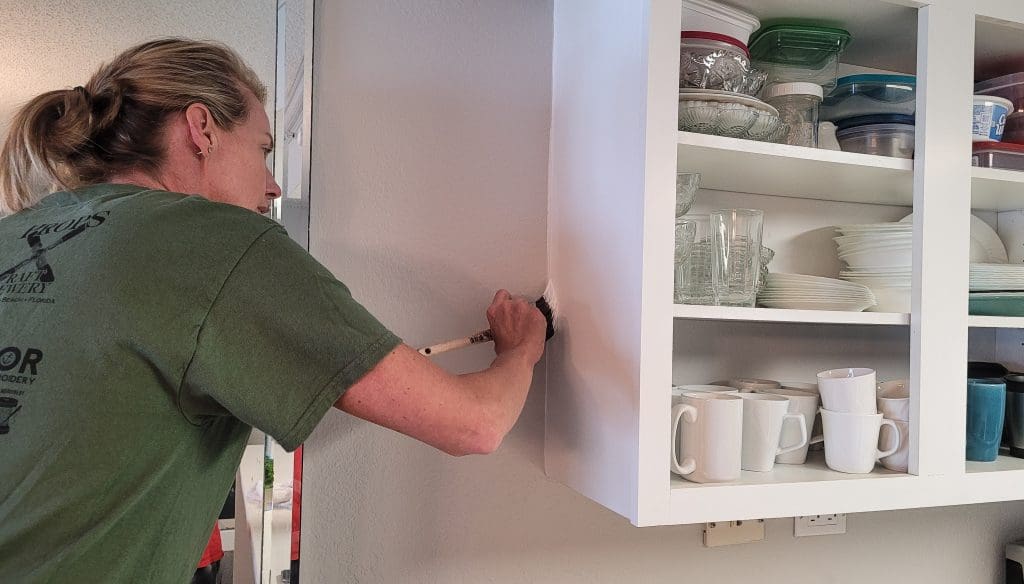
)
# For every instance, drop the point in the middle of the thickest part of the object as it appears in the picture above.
(799, 53)
(989, 118)
(798, 107)
(998, 155)
(713, 16)
(713, 61)
(1014, 131)
(878, 135)
(863, 95)
(1009, 87)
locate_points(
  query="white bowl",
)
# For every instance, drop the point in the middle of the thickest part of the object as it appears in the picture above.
(711, 16)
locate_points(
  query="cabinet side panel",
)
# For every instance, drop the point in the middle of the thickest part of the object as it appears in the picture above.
(595, 237)
(942, 186)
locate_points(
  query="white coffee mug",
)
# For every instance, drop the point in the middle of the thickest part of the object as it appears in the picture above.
(800, 402)
(763, 417)
(894, 400)
(681, 389)
(707, 436)
(850, 390)
(899, 460)
(851, 441)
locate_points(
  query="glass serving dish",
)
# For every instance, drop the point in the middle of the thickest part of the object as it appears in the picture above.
(710, 61)
(733, 120)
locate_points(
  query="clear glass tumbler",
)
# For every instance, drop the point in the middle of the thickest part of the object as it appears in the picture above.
(736, 247)
(693, 268)
(687, 184)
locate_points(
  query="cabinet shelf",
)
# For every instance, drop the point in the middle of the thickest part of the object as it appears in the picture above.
(1013, 322)
(997, 189)
(735, 313)
(745, 166)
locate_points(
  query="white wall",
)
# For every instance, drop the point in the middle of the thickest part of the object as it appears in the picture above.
(56, 44)
(429, 186)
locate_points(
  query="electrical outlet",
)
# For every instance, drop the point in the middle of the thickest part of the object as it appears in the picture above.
(828, 524)
(733, 532)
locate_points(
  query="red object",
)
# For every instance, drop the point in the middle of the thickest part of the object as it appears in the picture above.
(296, 502)
(714, 36)
(213, 552)
(998, 146)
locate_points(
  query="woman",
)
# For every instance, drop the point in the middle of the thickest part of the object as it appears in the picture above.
(152, 316)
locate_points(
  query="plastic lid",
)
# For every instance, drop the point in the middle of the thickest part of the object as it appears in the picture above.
(999, 83)
(1000, 100)
(798, 44)
(875, 119)
(796, 88)
(714, 36)
(877, 79)
(997, 147)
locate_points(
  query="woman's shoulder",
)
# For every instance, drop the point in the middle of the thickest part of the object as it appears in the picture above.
(166, 210)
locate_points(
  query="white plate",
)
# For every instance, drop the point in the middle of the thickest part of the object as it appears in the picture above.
(986, 247)
(692, 94)
(800, 305)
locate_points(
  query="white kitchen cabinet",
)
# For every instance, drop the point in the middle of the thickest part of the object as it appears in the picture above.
(622, 342)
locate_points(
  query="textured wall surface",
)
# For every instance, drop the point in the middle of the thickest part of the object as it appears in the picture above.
(55, 44)
(429, 180)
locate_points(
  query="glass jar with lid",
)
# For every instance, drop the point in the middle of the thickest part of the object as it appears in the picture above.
(798, 107)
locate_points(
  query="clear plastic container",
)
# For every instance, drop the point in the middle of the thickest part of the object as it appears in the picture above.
(1009, 87)
(798, 107)
(717, 17)
(799, 53)
(864, 95)
(998, 155)
(895, 140)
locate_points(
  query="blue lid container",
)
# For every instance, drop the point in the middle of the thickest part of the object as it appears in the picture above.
(863, 95)
(874, 119)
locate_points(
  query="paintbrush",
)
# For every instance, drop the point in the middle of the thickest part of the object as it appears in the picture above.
(546, 304)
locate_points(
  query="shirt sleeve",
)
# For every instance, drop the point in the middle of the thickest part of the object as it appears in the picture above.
(281, 343)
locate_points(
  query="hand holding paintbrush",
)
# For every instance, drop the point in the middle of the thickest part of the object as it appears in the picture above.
(545, 304)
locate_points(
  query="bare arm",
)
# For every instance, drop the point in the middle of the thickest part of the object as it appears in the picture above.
(459, 414)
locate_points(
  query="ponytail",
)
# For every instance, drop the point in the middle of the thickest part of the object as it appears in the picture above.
(70, 138)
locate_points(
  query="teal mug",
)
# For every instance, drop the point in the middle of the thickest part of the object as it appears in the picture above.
(986, 410)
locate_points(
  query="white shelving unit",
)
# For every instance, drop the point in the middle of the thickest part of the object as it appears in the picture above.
(623, 343)
(997, 189)
(793, 171)
(1009, 322)
(741, 314)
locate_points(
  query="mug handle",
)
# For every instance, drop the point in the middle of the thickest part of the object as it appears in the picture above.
(798, 418)
(896, 431)
(689, 415)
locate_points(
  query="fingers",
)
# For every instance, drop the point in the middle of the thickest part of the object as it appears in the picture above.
(501, 296)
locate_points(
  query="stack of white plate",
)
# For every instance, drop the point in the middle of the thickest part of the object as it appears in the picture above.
(879, 256)
(798, 292)
(997, 277)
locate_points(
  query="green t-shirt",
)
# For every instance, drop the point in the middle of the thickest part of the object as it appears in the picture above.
(142, 334)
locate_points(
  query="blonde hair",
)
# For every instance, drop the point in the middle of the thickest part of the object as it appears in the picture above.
(75, 137)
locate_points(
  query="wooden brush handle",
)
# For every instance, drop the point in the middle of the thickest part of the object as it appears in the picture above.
(481, 337)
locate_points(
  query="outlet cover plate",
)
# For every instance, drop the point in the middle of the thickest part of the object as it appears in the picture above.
(827, 524)
(733, 532)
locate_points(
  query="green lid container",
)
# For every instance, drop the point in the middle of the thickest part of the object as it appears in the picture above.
(798, 45)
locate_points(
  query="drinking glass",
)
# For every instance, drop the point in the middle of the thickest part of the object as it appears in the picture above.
(687, 184)
(693, 268)
(736, 247)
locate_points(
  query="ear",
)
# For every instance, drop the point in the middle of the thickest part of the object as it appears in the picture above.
(201, 128)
